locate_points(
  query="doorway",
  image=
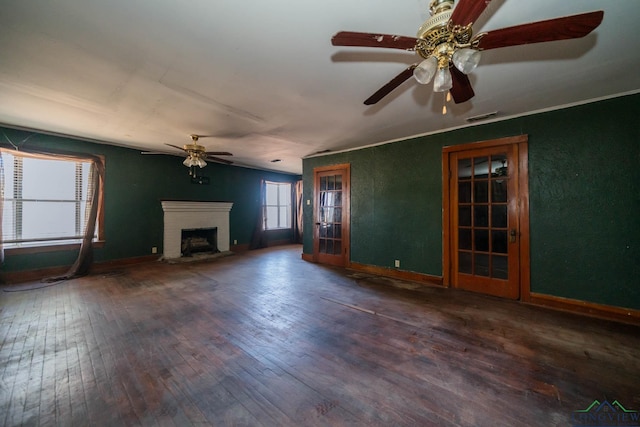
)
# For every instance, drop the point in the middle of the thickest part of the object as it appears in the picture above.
(486, 217)
(331, 234)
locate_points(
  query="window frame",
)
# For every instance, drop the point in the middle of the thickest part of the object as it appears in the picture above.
(278, 205)
(41, 246)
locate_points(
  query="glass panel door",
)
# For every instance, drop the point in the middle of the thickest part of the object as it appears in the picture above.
(485, 220)
(331, 234)
(483, 216)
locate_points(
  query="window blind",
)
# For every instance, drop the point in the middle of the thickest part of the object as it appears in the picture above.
(44, 200)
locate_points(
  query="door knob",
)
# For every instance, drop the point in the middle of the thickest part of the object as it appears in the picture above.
(512, 235)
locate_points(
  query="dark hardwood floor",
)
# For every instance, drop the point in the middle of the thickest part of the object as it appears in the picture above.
(266, 339)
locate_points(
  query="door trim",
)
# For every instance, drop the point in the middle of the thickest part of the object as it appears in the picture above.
(345, 168)
(522, 203)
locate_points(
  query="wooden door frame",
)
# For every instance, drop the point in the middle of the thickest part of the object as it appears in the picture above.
(346, 210)
(521, 142)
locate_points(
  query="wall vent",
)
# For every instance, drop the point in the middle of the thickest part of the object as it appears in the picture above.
(481, 117)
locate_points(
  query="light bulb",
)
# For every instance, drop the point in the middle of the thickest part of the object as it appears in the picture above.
(442, 82)
(466, 60)
(200, 162)
(425, 71)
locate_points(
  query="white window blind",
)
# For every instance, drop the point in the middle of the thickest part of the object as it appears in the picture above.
(277, 205)
(44, 201)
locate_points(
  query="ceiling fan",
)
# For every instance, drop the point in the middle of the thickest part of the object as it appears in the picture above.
(196, 155)
(449, 49)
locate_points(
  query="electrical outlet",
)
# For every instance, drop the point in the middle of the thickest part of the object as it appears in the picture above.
(308, 202)
(235, 242)
(397, 263)
(154, 250)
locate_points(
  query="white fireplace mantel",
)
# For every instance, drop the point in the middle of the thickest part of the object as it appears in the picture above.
(181, 215)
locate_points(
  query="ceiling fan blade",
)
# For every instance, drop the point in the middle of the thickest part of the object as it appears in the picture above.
(160, 153)
(218, 160)
(394, 83)
(175, 146)
(568, 27)
(461, 90)
(467, 11)
(351, 38)
(218, 153)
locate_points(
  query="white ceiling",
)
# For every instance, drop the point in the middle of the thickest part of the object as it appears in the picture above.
(263, 79)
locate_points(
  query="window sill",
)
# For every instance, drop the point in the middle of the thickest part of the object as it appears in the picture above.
(277, 229)
(23, 250)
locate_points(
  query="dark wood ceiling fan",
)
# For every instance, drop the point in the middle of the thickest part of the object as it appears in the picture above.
(197, 151)
(449, 50)
(196, 154)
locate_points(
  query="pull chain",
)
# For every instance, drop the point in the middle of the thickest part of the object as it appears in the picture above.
(444, 104)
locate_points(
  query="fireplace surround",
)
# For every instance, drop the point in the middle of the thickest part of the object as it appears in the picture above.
(185, 215)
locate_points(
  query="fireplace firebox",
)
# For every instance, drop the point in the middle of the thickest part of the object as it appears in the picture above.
(199, 240)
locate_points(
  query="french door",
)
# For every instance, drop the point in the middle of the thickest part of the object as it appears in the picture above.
(331, 215)
(486, 210)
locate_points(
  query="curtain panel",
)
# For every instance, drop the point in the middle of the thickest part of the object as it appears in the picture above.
(96, 179)
(296, 197)
(259, 237)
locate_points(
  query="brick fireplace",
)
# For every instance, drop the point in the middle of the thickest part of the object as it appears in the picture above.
(181, 215)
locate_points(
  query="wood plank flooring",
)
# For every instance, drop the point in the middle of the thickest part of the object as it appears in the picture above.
(266, 339)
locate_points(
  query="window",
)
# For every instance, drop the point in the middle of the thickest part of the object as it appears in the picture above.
(277, 206)
(44, 201)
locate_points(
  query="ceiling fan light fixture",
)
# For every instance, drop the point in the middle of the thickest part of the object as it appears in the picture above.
(425, 71)
(188, 162)
(466, 59)
(443, 81)
(200, 162)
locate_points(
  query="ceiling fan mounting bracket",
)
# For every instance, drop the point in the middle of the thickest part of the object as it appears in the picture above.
(438, 30)
(437, 6)
(194, 149)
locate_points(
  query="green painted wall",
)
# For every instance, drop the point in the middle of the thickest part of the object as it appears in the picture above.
(584, 172)
(134, 186)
